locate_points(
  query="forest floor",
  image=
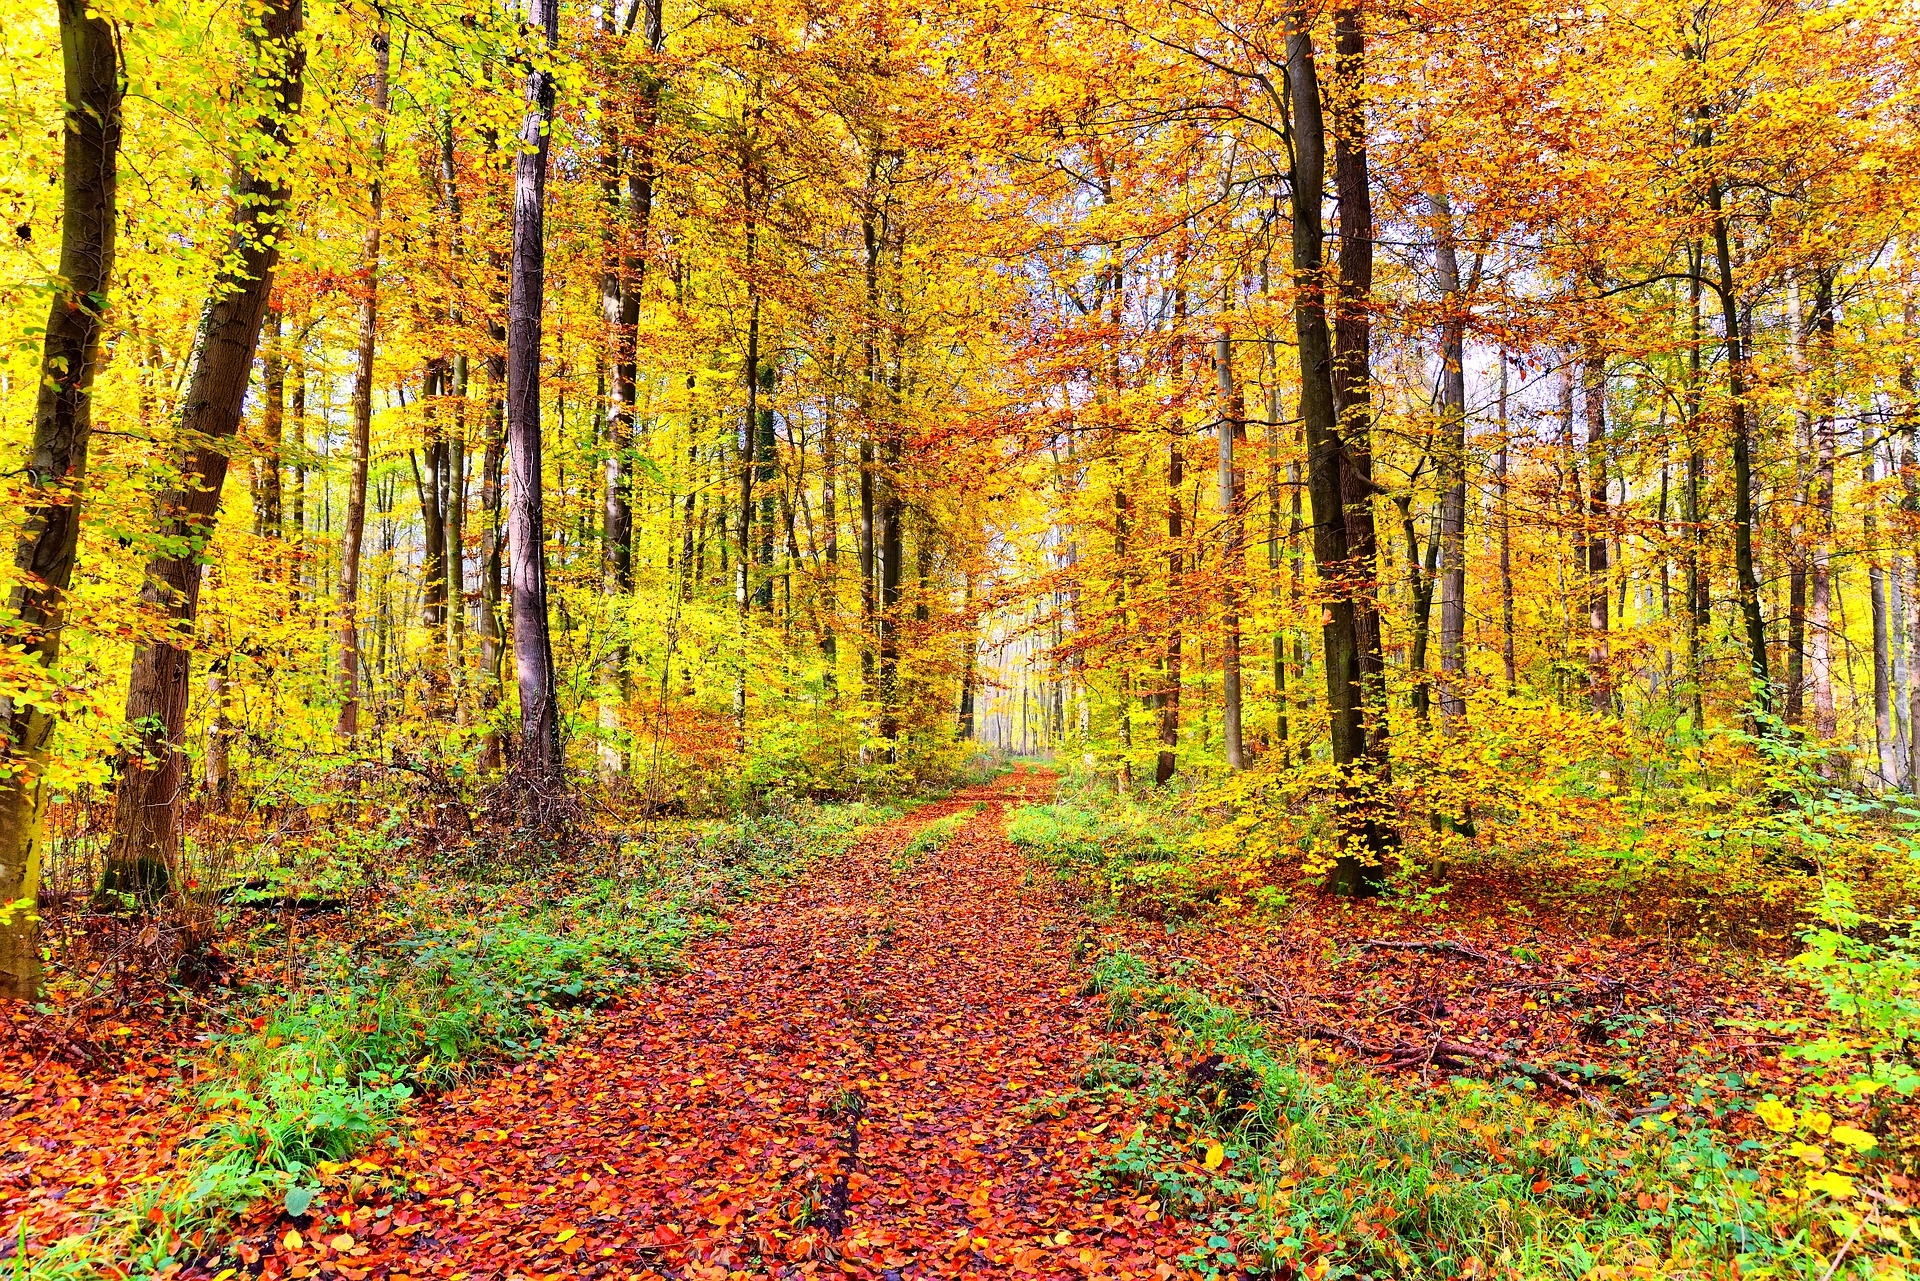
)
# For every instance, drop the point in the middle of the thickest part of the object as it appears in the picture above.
(855, 1078)
(877, 1070)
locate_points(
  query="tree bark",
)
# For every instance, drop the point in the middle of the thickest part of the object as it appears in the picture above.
(1352, 373)
(1341, 568)
(1599, 657)
(1819, 576)
(146, 832)
(266, 506)
(539, 760)
(455, 503)
(1168, 759)
(1231, 425)
(1746, 578)
(1453, 471)
(347, 676)
(492, 633)
(56, 465)
(1503, 487)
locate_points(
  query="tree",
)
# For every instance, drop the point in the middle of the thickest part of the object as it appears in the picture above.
(146, 823)
(57, 462)
(538, 763)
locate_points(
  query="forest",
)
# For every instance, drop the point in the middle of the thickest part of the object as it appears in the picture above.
(714, 639)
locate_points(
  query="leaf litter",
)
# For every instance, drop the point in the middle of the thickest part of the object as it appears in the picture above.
(871, 1074)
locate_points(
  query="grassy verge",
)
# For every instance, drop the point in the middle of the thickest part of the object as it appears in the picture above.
(1337, 1173)
(433, 984)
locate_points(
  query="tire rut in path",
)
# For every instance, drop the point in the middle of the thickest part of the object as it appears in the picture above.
(860, 1078)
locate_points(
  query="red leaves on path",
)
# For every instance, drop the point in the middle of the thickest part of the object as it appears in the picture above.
(875, 1049)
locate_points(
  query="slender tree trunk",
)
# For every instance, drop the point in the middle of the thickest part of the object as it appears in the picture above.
(1820, 585)
(539, 760)
(145, 843)
(1422, 570)
(1505, 498)
(492, 632)
(1453, 472)
(830, 533)
(266, 507)
(1168, 760)
(455, 504)
(1884, 734)
(743, 570)
(1599, 521)
(56, 465)
(348, 672)
(1746, 577)
(1282, 725)
(1697, 598)
(1232, 424)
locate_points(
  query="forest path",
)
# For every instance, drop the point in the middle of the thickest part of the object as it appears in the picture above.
(863, 1077)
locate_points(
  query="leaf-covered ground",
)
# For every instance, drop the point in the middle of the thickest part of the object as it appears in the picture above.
(874, 1071)
(860, 1077)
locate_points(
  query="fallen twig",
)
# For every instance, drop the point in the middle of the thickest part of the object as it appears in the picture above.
(1408, 1056)
(1429, 945)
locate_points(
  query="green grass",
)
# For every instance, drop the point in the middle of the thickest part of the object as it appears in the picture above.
(932, 838)
(438, 983)
(1376, 1179)
(1132, 854)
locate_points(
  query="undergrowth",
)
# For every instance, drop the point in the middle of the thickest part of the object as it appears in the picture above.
(1130, 853)
(434, 984)
(1299, 1170)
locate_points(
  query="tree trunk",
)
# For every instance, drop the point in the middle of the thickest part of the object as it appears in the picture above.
(539, 760)
(492, 634)
(1336, 560)
(1453, 471)
(1746, 578)
(348, 673)
(1232, 424)
(1696, 593)
(146, 832)
(266, 504)
(454, 507)
(1168, 759)
(748, 443)
(1599, 657)
(1352, 385)
(1504, 490)
(56, 465)
(1819, 584)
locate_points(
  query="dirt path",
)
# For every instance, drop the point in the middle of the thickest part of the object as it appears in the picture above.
(856, 1079)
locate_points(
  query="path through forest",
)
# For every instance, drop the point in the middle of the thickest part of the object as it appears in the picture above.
(855, 1078)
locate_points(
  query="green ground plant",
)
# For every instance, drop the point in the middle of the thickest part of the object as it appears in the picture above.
(435, 984)
(1333, 1172)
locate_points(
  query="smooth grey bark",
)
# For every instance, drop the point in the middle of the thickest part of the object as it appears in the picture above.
(56, 466)
(1231, 424)
(1503, 486)
(1452, 458)
(1593, 383)
(538, 761)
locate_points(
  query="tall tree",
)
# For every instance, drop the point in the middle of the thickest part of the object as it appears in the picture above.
(1452, 451)
(1327, 466)
(539, 761)
(146, 824)
(56, 468)
(347, 677)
